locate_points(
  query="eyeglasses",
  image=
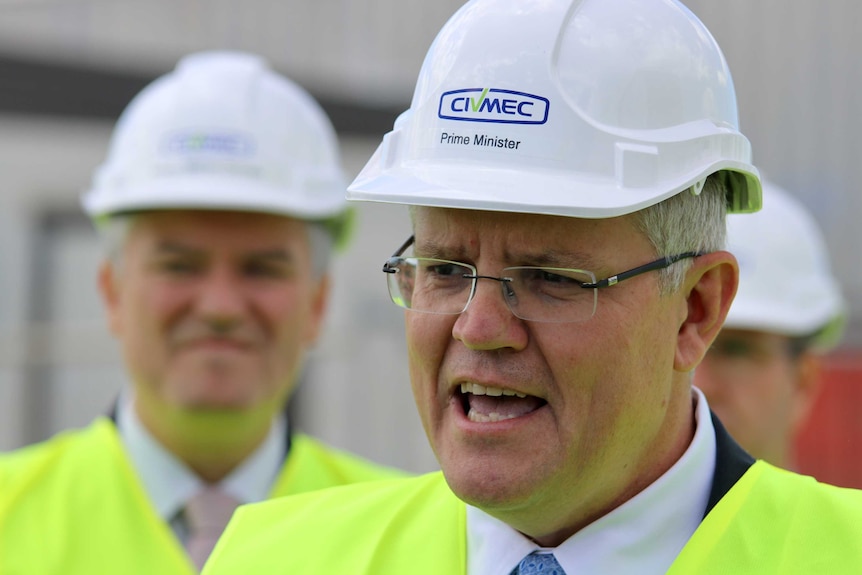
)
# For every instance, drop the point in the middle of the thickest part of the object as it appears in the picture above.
(540, 294)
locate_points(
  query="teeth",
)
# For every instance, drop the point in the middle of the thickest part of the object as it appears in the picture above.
(477, 389)
(491, 417)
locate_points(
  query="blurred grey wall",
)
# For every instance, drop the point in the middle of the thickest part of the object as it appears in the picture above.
(798, 79)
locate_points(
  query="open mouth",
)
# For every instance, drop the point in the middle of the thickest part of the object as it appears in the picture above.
(483, 404)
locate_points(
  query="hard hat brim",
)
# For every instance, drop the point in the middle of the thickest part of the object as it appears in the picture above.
(218, 192)
(765, 317)
(547, 191)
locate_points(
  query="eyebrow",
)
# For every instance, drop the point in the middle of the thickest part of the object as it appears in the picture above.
(172, 247)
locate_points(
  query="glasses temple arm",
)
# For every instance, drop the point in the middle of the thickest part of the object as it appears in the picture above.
(387, 267)
(404, 247)
(658, 264)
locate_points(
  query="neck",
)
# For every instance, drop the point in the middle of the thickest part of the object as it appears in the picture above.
(212, 444)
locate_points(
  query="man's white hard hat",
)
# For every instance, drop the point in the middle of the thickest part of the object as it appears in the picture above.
(223, 132)
(786, 284)
(585, 108)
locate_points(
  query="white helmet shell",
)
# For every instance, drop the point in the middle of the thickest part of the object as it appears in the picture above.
(222, 132)
(786, 285)
(585, 108)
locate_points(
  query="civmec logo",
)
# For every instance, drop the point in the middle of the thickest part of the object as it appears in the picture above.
(493, 105)
(209, 142)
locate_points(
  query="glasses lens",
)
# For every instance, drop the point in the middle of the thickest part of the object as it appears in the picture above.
(550, 294)
(429, 285)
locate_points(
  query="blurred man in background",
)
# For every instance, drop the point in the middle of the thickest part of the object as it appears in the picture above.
(762, 374)
(220, 202)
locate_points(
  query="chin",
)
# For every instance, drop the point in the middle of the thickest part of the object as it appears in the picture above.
(212, 405)
(215, 386)
(485, 487)
(216, 397)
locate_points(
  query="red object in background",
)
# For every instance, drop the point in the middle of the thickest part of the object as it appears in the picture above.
(829, 446)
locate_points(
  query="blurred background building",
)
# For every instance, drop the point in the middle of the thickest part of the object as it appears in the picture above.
(68, 67)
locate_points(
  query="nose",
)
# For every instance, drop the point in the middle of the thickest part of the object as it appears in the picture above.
(221, 296)
(488, 323)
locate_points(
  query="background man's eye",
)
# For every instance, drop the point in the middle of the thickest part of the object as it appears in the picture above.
(178, 267)
(732, 348)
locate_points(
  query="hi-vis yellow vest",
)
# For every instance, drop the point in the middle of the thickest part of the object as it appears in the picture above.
(770, 522)
(74, 506)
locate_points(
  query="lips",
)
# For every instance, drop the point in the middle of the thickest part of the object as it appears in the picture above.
(487, 404)
(192, 333)
(217, 344)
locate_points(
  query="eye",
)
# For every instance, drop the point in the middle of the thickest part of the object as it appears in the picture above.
(446, 269)
(557, 277)
(178, 266)
(734, 348)
(440, 274)
(432, 269)
(550, 284)
(266, 269)
(552, 278)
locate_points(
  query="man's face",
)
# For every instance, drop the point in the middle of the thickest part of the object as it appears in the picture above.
(603, 404)
(758, 389)
(214, 310)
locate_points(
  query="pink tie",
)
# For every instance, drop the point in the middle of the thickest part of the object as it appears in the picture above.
(207, 514)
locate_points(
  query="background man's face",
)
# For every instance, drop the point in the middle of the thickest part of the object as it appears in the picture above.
(600, 394)
(214, 310)
(758, 389)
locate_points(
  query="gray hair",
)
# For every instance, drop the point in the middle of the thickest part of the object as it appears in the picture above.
(114, 231)
(686, 222)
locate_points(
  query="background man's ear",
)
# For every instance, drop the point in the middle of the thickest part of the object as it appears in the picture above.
(319, 304)
(109, 291)
(806, 387)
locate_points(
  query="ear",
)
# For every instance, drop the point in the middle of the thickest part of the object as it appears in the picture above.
(807, 387)
(709, 287)
(110, 293)
(319, 303)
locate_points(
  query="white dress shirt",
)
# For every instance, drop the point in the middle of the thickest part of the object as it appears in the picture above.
(170, 483)
(642, 536)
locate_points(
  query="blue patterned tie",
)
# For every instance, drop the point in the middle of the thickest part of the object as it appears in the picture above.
(539, 564)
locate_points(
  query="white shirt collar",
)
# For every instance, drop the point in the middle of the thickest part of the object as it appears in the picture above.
(170, 483)
(624, 540)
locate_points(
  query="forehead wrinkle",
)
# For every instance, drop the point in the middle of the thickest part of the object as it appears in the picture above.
(520, 240)
(172, 246)
(555, 258)
(430, 248)
(513, 256)
(274, 255)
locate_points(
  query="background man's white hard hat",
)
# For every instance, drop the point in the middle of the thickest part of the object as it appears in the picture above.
(224, 132)
(586, 108)
(786, 285)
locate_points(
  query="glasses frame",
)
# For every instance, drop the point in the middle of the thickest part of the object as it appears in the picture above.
(659, 264)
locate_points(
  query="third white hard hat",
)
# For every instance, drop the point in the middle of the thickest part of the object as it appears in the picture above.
(223, 131)
(786, 284)
(586, 108)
